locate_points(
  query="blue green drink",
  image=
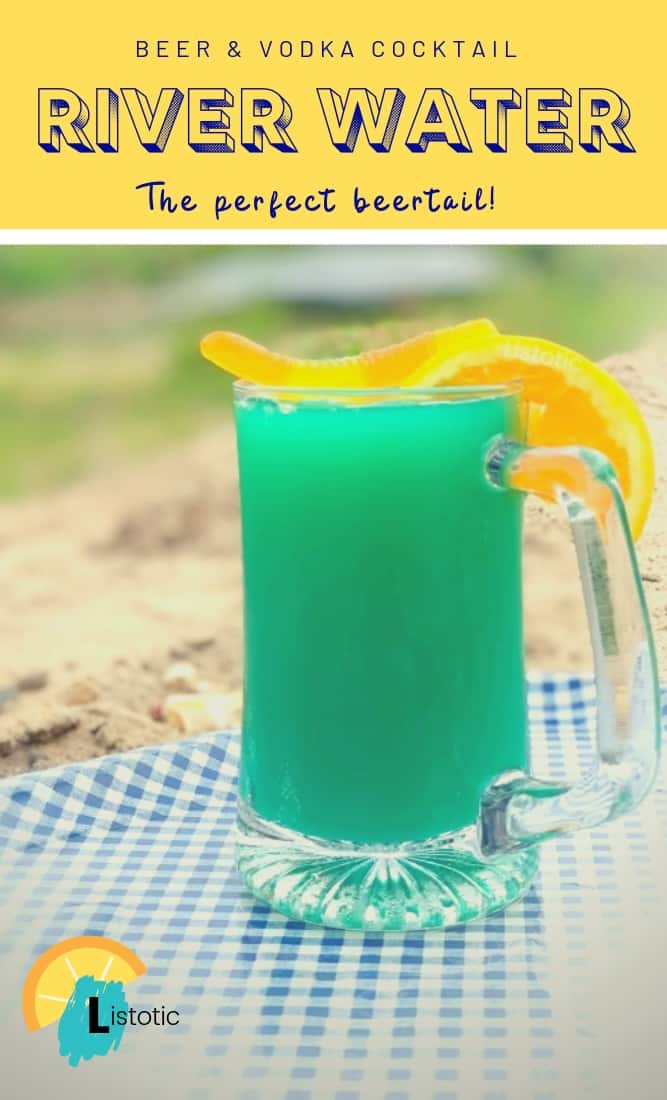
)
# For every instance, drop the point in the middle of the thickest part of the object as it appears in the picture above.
(383, 634)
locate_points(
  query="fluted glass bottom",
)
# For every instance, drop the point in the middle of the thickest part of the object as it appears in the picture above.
(432, 884)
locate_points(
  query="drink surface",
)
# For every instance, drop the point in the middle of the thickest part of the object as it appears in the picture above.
(383, 625)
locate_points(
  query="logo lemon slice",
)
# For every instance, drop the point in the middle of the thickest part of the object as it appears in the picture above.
(52, 978)
(566, 399)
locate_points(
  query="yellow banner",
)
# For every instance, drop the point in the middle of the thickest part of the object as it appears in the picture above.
(485, 116)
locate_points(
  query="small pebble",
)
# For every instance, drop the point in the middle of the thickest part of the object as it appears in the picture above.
(7, 694)
(178, 652)
(156, 711)
(201, 643)
(80, 692)
(32, 681)
(180, 677)
(198, 713)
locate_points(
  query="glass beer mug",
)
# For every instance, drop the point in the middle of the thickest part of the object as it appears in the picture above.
(385, 761)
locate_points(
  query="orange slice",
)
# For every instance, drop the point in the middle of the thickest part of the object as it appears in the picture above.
(568, 401)
(369, 370)
(53, 976)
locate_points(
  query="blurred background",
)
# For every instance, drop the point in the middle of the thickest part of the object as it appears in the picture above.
(98, 345)
(120, 562)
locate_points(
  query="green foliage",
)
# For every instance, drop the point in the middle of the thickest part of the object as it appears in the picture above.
(81, 397)
(37, 269)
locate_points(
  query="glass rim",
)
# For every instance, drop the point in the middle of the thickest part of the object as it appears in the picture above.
(242, 389)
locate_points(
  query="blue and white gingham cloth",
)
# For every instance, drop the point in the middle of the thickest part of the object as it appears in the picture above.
(560, 997)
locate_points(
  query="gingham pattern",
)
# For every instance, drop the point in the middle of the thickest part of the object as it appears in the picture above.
(137, 847)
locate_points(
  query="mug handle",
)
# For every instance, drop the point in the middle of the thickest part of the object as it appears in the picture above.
(518, 810)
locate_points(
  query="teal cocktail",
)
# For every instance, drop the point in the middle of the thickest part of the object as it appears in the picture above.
(379, 563)
(384, 761)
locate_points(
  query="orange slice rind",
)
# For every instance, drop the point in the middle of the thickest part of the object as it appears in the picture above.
(54, 974)
(567, 401)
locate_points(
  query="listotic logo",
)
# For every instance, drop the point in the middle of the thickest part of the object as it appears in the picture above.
(80, 984)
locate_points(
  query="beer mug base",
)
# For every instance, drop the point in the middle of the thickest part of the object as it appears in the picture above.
(435, 883)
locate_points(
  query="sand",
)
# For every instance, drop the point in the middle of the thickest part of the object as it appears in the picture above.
(109, 582)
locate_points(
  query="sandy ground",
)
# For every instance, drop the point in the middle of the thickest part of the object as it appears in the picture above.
(109, 583)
